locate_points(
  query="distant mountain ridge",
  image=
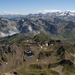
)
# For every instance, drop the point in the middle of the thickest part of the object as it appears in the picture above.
(54, 24)
(56, 13)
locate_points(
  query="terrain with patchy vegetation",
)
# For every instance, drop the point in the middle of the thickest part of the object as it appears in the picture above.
(36, 55)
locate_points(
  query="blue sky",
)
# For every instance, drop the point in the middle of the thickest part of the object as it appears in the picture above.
(34, 6)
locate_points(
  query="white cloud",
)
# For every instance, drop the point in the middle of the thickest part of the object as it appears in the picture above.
(71, 10)
(52, 11)
(38, 11)
(12, 30)
(2, 34)
(33, 12)
(46, 11)
(12, 13)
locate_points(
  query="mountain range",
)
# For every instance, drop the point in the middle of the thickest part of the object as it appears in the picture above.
(60, 25)
(37, 44)
(56, 12)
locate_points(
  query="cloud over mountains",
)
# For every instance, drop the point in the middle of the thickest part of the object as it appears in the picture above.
(12, 30)
(12, 13)
(35, 12)
(46, 11)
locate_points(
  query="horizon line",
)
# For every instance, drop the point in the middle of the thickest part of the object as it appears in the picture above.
(34, 12)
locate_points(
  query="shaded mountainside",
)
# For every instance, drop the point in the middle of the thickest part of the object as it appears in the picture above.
(36, 55)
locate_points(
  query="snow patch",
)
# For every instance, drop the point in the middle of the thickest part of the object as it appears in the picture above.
(30, 28)
(46, 44)
(41, 47)
(22, 20)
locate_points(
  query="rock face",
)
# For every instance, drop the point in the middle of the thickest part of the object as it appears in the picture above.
(23, 54)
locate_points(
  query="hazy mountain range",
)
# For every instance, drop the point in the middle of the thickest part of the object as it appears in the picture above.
(50, 12)
(57, 24)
